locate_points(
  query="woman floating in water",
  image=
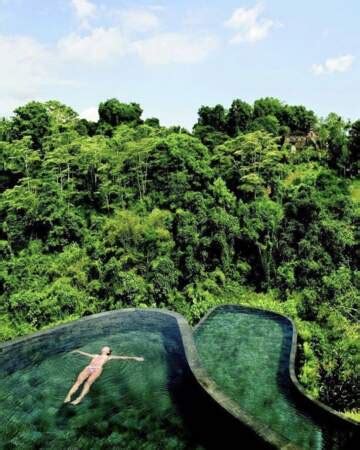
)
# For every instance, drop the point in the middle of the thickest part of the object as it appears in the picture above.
(93, 371)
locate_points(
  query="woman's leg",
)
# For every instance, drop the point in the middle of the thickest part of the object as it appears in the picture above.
(87, 386)
(80, 379)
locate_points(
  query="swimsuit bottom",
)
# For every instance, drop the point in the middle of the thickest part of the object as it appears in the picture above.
(92, 369)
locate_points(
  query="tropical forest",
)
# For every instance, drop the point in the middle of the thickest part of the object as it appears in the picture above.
(257, 205)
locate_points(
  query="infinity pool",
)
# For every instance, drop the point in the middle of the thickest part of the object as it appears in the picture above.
(237, 395)
(246, 352)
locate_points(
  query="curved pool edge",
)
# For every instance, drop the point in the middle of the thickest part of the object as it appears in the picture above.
(292, 360)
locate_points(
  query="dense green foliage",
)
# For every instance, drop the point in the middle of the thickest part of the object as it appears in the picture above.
(258, 205)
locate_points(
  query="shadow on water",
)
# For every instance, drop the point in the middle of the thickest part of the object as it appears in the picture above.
(336, 434)
(211, 425)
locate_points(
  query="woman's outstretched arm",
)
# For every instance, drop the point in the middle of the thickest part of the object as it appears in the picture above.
(83, 353)
(136, 358)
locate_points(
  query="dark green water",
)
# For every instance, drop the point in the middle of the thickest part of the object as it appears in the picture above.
(247, 354)
(129, 406)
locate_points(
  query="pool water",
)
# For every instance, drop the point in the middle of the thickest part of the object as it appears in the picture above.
(246, 352)
(130, 406)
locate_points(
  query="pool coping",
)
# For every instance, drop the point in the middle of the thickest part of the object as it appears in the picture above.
(292, 359)
(199, 372)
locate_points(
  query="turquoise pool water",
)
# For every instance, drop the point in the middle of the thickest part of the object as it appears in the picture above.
(246, 352)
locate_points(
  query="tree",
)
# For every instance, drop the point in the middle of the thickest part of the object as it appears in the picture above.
(17, 160)
(37, 209)
(214, 117)
(238, 117)
(85, 127)
(114, 112)
(267, 123)
(268, 106)
(136, 249)
(208, 136)
(249, 164)
(4, 129)
(261, 226)
(336, 142)
(31, 120)
(62, 117)
(299, 119)
(354, 149)
(152, 122)
(163, 170)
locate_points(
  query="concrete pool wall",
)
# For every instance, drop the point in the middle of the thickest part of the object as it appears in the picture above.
(237, 383)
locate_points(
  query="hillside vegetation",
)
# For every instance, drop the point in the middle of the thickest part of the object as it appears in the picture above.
(258, 205)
